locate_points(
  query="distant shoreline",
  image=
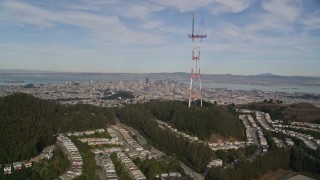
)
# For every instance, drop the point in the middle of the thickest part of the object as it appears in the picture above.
(231, 82)
(13, 81)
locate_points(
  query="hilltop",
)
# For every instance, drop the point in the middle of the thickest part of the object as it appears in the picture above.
(303, 112)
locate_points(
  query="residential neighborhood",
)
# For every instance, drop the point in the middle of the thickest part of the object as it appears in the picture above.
(94, 92)
(68, 147)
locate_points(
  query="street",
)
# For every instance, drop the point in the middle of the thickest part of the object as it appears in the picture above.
(143, 142)
(101, 172)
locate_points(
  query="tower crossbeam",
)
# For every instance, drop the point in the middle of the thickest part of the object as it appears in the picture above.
(195, 92)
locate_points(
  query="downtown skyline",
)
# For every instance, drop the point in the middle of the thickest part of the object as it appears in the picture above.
(245, 37)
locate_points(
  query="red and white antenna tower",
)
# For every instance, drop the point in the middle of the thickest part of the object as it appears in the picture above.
(195, 93)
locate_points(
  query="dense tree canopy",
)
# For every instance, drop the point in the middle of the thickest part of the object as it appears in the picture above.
(56, 166)
(298, 159)
(28, 124)
(201, 122)
(252, 170)
(196, 155)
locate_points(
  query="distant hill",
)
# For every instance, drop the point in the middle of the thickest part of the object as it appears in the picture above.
(22, 71)
(260, 79)
(304, 105)
(303, 112)
(266, 74)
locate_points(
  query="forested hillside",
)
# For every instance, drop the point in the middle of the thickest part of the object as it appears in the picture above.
(201, 122)
(196, 155)
(297, 159)
(27, 124)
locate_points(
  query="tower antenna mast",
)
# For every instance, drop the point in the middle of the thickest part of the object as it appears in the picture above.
(195, 93)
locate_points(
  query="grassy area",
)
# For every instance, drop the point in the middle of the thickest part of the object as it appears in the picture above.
(97, 135)
(103, 146)
(121, 94)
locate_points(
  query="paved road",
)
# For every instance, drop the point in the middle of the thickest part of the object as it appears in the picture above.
(266, 122)
(191, 172)
(101, 172)
(256, 142)
(140, 138)
(143, 142)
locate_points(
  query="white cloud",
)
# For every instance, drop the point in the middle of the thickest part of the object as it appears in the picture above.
(103, 27)
(216, 6)
(286, 10)
(232, 6)
(140, 31)
(88, 20)
(152, 24)
(22, 13)
(184, 5)
(138, 10)
(279, 16)
(230, 38)
(312, 21)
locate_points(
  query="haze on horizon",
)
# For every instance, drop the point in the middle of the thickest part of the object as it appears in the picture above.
(244, 36)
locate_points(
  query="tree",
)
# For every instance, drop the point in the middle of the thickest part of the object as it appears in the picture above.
(296, 159)
(28, 124)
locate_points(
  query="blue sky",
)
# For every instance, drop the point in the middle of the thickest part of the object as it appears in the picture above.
(244, 36)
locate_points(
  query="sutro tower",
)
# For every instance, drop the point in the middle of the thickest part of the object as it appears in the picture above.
(195, 93)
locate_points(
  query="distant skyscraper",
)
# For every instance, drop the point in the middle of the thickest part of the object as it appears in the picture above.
(147, 80)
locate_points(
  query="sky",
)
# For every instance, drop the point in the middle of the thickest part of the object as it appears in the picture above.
(244, 37)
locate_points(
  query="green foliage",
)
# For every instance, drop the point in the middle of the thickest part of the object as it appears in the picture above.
(121, 94)
(120, 169)
(299, 159)
(196, 155)
(278, 158)
(56, 166)
(28, 124)
(152, 167)
(97, 135)
(317, 121)
(89, 164)
(304, 162)
(250, 150)
(275, 111)
(20, 174)
(201, 122)
(230, 155)
(81, 117)
(315, 134)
